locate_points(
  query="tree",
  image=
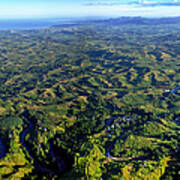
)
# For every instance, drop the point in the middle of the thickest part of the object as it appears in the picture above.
(92, 163)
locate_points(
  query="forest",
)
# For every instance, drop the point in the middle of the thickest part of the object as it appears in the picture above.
(97, 99)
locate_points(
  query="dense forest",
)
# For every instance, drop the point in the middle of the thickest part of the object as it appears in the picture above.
(93, 100)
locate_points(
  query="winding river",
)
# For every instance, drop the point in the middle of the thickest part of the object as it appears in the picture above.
(22, 140)
(61, 164)
(110, 147)
(2, 150)
(176, 90)
(119, 159)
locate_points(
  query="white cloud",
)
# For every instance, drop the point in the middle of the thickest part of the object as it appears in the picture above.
(129, 10)
(82, 10)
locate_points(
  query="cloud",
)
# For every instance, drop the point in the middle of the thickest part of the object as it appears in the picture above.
(103, 4)
(129, 10)
(132, 3)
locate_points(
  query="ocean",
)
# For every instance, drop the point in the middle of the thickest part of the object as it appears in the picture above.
(29, 24)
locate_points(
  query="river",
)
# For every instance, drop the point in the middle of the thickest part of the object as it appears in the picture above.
(175, 90)
(109, 148)
(2, 149)
(22, 140)
(60, 162)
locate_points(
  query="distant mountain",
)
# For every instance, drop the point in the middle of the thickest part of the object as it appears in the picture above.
(138, 21)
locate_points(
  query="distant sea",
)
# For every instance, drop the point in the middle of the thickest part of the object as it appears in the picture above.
(29, 24)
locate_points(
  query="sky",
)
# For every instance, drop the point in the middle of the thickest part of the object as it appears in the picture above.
(81, 8)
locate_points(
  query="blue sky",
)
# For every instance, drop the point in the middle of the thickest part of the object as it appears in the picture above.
(72, 8)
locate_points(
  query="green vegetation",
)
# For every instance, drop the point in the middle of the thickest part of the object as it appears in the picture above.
(91, 101)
